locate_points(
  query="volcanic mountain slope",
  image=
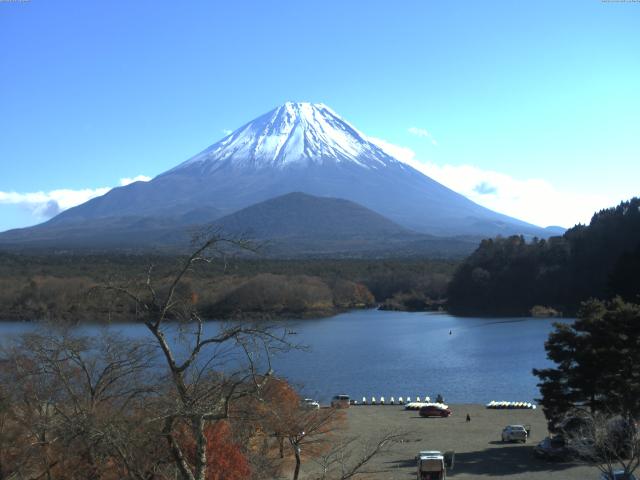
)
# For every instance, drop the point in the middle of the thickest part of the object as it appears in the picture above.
(297, 224)
(292, 225)
(301, 215)
(298, 147)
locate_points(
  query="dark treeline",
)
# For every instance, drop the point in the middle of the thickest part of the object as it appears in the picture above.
(60, 286)
(510, 275)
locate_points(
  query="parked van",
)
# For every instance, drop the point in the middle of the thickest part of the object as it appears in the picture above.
(433, 465)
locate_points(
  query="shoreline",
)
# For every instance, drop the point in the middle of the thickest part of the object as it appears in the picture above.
(277, 317)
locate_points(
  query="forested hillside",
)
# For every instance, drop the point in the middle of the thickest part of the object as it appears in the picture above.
(510, 275)
(62, 286)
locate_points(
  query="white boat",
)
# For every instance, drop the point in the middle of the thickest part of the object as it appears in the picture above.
(510, 405)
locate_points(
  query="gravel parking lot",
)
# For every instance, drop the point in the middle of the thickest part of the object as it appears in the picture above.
(479, 450)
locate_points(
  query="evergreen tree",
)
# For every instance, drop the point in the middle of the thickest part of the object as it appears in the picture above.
(597, 363)
(509, 276)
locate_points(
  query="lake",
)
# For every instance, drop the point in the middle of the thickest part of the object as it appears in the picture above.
(374, 353)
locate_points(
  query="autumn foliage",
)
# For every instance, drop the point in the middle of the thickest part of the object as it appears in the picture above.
(224, 456)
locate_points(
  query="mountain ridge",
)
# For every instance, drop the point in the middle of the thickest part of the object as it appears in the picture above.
(293, 225)
(281, 216)
(297, 147)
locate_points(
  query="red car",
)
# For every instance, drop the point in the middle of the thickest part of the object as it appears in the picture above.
(433, 411)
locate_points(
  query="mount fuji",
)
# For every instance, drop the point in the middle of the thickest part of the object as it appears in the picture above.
(297, 147)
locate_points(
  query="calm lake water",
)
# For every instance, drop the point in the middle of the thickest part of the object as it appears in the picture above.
(371, 352)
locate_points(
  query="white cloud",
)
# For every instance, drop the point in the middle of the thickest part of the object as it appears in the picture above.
(44, 205)
(403, 154)
(534, 200)
(140, 178)
(423, 133)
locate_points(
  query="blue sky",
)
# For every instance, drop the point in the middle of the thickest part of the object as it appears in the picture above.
(530, 108)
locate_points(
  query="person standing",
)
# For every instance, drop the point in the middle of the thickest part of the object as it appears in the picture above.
(468, 418)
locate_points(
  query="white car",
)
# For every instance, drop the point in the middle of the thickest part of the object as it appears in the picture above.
(310, 403)
(514, 433)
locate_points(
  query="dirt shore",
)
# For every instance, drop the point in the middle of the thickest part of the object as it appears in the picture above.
(479, 450)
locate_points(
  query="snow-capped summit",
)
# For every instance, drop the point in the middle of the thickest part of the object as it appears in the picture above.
(292, 134)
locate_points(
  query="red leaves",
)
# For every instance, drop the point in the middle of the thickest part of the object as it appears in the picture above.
(225, 460)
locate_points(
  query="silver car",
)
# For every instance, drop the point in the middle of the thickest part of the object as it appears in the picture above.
(514, 433)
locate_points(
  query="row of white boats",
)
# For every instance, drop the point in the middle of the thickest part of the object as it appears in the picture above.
(510, 405)
(391, 401)
(426, 401)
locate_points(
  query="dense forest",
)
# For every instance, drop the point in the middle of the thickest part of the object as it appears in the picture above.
(510, 276)
(504, 276)
(63, 286)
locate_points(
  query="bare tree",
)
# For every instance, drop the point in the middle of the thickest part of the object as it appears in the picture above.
(72, 400)
(608, 441)
(350, 457)
(209, 369)
(95, 407)
(310, 429)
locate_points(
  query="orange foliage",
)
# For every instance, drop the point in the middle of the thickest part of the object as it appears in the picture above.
(225, 460)
(278, 393)
(281, 404)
